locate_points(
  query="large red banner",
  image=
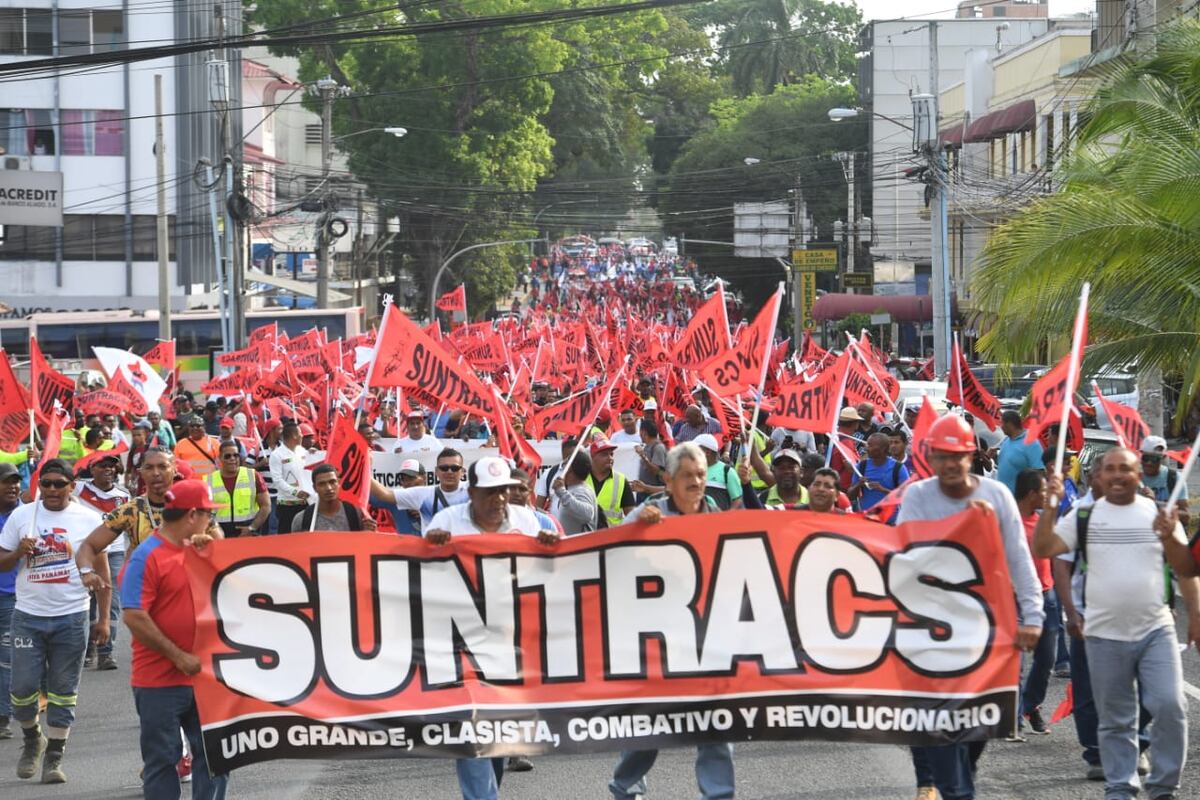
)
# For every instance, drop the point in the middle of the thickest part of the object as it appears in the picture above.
(721, 627)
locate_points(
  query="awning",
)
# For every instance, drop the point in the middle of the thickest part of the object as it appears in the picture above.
(1016, 118)
(952, 137)
(902, 308)
(981, 130)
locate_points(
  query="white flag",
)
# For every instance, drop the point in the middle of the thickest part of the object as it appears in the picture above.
(141, 376)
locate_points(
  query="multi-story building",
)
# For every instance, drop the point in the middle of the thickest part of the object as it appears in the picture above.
(972, 9)
(96, 127)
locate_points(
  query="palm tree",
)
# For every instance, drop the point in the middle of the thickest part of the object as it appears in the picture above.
(1127, 219)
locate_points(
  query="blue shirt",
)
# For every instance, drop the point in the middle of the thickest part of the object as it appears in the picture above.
(884, 474)
(8, 580)
(1016, 455)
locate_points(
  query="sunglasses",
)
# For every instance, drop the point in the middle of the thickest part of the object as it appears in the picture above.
(54, 484)
(448, 468)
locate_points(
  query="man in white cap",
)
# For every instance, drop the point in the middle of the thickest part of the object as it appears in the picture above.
(1158, 479)
(417, 441)
(487, 510)
(721, 482)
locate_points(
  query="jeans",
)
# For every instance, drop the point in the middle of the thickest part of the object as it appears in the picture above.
(1033, 691)
(273, 520)
(115, 562)
(48, 649)
(1084, 713)
(714, 772)
(1119, 671)
(7, 603)
(479, 778)
(162, 712)
(951, 767)
(285, 513)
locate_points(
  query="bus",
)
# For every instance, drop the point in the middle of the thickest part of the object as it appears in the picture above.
(67, 338)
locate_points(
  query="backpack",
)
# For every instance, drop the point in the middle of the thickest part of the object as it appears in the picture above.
(352, 516)
(1082, 518)
(439, 501)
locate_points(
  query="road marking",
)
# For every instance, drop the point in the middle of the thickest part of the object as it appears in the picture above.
(1191, 690)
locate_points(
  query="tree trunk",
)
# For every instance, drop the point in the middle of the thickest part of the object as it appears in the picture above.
(1150, 398)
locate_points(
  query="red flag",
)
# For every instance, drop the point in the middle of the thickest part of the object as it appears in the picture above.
(920, 453)
(810, 351)
(251, 356)
(965, 390)
(1180, 456)
(516, 449)
(740, 368)
(925, 373)
(265, 334)
(239, 382)
(707, 335)
(48, 384)
(13, 399)
(454, 300)
(883, 378)
(133, 400)
(406, 357)
(811, 406)
(1067, 707)
(675, 396)
(162, 355)
(571, 416)
(102, 401)
(88, 460)
(863, 384)
(1046, 399)
(1126, 422)
(350, 455)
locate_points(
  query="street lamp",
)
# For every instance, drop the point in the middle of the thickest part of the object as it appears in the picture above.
(839, 114)
(396, 131)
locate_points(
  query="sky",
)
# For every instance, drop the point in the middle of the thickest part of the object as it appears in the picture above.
(932, 9)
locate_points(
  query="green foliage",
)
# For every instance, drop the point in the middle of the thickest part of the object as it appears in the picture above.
(852, 324)
(1126, 220)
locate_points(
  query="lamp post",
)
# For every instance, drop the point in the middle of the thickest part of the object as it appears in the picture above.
(433, 289)
(544, 209)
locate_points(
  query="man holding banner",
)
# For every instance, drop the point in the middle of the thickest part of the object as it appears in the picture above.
(687, 474)
(953, 489)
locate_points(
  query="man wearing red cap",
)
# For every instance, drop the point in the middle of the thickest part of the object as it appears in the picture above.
(417, 441)
(614, 496)
(953, 489)
(158, 611)
(226, 435)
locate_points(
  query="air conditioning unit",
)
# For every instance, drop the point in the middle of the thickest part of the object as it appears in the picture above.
(15, 162)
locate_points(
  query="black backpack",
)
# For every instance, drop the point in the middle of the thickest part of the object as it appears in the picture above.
(1082, 517)
(896, 465)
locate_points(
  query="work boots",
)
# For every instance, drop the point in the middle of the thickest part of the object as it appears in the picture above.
(31, 751)
(52, 763)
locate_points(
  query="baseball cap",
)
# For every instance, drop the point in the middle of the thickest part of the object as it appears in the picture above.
(8, 471)
(415, 413)
(307, 430)
(789, 453)
(56, 465)
(183, 470)
(190, 494)
(193, 420)
(144, 424)
(708, 442)
(1154, 444)
(849, 414)
(600, 444)
(490, 472)
(410, 466)
(650, 405)
(108, 457)
(271, 424)
(227, 422)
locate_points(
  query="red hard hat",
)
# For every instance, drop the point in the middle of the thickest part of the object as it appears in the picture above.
(951, 434)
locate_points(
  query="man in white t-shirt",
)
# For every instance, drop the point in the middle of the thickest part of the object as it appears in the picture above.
(417, 441)
(1129, 631)
(630, 426)
(487, 511)
(51, 616)
(428, 500)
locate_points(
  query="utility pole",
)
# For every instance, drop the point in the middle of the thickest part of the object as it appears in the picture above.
(847, 162)
(327, 87)
(164, 288)
(799, 218)
(925, 139)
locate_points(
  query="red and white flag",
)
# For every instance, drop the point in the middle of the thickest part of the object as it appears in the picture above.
(144, 380)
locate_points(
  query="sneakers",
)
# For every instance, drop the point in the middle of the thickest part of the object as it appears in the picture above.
(926, 793)
(31, 752)
(1015, 738)
(1143, 764)
(1062, 672)
(1037, 725)
(89, 659)
(1095, 772)
(184, 769)
(52, 764)
(5, 728)
(519, 764)
(106, 662)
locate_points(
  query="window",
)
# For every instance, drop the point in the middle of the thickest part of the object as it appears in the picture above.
(74, 32)
(30, 31)
(108, 31)
(12, 31)
(39, 32)
(93, 133)
(86, 237)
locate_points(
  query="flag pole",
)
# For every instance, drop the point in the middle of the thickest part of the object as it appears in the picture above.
(833, 434)
(962, 389)
(596, 412)
(1173, 500)
(379, 338)
(1072, 376)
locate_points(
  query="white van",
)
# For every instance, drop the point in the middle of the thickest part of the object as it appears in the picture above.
(1116, 386)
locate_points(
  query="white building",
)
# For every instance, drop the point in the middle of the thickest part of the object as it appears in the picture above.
(895, 64)
(96, 126)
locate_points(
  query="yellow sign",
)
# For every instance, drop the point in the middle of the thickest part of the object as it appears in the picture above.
(806, 283)
(825, 260)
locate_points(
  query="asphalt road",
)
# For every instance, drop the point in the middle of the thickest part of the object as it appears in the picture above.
(103, 761)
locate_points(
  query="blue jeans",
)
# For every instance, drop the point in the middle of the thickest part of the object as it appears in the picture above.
(479, 778)
(1120, 672)
(7, 603)
(116, 560)
(162, 712)
(951, 768)
(1033, 691)
(49, 650)
(714, 772)
(1087, 724)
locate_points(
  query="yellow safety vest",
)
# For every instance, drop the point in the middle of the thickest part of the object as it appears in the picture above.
(244, 504)
(608, 498)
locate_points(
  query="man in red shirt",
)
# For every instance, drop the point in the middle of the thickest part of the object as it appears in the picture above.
(158, 612)
(1031, 494)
